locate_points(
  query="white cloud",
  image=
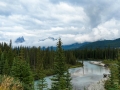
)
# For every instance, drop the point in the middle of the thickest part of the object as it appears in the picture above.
(73, 21)
(108, 30)
(2, 4)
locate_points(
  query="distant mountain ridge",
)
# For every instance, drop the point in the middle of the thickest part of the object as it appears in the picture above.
(71, 46)
(97, 44)
(74, 46)
(102, 44)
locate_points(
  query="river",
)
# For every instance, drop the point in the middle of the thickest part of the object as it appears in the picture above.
(83, 77)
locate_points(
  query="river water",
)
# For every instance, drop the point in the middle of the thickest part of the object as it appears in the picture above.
(83, 77)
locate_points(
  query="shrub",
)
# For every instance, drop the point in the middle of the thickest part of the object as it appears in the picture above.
(9, 83)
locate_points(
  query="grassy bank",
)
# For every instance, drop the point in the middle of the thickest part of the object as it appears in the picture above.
(109, 62)
(78, 64)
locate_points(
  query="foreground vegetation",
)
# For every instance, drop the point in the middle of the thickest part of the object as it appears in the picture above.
(26, 64)
(9, 83)
(113, 82)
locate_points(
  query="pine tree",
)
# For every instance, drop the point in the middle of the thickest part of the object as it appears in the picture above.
(10, 45)
(6, 68)
(21, 70)
(60, 81)
(118, 67)
(42, 82)
(68, 81)
(60, 64)
(21, 54)
(2, 61)
(39, 59)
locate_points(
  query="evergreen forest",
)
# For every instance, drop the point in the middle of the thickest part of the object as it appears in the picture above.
(22, 65)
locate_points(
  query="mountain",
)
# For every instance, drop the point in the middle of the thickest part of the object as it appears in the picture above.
(71, 46)
(50, 38)
(74, 46)
(20, 40)
(97, 44)
(102, 44)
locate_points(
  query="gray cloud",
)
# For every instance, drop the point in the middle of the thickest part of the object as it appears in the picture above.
(72, 20)
(97, 11)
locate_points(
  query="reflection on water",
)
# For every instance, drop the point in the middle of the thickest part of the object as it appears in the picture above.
(90, 73)
(89, 69)
(83, 77)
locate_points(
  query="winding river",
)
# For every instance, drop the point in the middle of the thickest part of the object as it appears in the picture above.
(83, 77)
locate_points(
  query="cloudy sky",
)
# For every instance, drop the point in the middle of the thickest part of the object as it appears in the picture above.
(72, 20)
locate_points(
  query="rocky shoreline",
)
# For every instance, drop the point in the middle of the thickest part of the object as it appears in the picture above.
(100, 84)
(97, 63)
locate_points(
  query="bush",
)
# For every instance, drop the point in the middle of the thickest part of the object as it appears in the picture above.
(9, 83)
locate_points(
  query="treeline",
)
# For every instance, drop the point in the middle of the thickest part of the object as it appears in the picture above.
(97, 53)
(35, 56)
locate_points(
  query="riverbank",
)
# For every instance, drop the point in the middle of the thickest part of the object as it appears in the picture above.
(97, 63)
(98, 85)
(77, 65)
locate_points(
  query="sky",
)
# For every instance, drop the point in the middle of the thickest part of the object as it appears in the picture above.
(71, 20)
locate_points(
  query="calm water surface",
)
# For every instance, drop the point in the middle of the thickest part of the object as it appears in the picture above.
(83, 77)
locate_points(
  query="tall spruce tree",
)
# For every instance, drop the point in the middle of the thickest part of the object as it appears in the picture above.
(41, 82)
(2, 62)
(21, 70)
(60, 64)
(6, 68)
(68, 81)
(60, 80)
(118, 67)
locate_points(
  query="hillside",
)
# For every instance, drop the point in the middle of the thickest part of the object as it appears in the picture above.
(73, 46)
(102, 44)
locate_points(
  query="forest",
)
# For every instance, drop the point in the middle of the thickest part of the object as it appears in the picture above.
(21, 65)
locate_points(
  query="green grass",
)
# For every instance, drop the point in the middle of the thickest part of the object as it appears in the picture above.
(78, 64)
